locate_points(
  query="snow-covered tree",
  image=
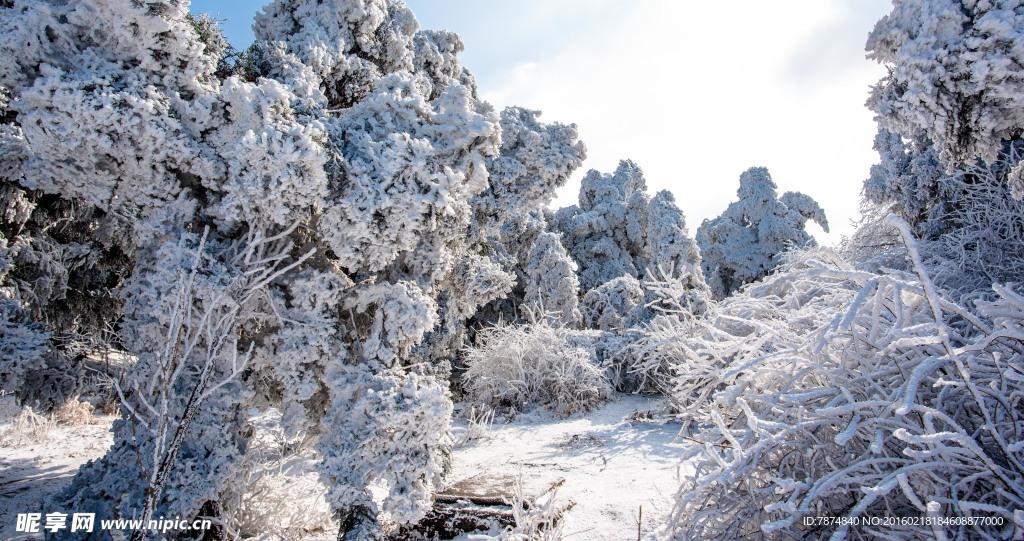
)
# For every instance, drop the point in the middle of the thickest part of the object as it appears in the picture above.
(534, 160)
(967, 217)
(956, 75)
(552, 287)
(746, 241)
(949, 139)
(605, 232)
(618, 230)
(23, 342)
(345, 158)
(60, 273)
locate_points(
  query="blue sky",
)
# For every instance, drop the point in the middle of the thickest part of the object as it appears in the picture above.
(693, 91)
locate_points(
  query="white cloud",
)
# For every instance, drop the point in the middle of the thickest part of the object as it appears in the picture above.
(696, 92)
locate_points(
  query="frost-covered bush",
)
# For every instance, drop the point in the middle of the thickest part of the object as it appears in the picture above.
(520, 367)
(888, 388)
(746, 241)
(840, 392)
(645, 355)
(608, 306)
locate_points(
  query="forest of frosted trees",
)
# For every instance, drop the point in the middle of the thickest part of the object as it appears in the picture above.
(331, 231)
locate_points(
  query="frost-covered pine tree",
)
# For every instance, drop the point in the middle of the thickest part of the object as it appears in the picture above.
(62, 264)
(911, 180)
(745, 242)
(605, 232)
(618, 236)
(535, 159)
(949, 136)
(294, 233)
(955, 74)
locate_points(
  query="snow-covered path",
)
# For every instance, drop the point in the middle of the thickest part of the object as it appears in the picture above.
(614, 460)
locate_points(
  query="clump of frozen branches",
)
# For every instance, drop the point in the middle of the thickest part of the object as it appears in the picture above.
(537, 364)
(535, 521)
(74, 412)
(279, 494)
(28, 427)
(888, 400)
(648, 355)
(478, 425)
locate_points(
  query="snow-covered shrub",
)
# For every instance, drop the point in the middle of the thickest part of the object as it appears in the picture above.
(28, 427)
(539, 520)
(645, 355)
(745, 242)
(846, 393)
(478, 425)
(74, 412)
(520, 367)
(608, 306)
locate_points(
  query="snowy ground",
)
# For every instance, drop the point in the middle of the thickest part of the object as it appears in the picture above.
(32, 469)
(614, 461)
